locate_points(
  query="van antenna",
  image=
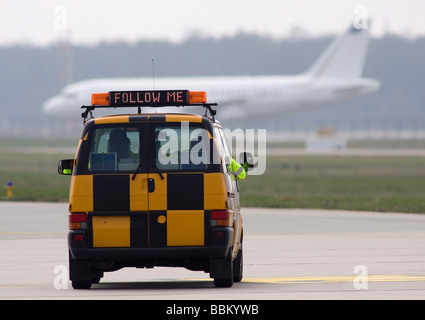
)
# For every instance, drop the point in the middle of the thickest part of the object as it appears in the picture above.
(153, 73)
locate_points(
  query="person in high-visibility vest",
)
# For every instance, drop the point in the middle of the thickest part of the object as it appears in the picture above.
(236, 170)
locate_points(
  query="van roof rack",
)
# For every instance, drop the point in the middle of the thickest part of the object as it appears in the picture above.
(152, 99)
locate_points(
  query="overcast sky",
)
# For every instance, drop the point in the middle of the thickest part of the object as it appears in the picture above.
(42, 22)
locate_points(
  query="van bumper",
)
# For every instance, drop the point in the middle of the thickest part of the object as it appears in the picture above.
(218, 248)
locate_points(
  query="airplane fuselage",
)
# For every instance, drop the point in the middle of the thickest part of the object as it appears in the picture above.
(246, 96)
(334, 76)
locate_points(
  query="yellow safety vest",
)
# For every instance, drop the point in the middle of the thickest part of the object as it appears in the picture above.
(236, 170)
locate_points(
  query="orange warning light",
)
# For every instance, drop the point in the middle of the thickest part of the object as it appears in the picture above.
(100, 99)
(197, 97)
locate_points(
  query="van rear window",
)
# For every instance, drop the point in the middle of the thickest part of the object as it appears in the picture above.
(181, 147)
(160, 146)
(114, 149)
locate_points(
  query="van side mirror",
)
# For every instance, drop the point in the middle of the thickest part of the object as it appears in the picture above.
(246, 160)
(65, 166)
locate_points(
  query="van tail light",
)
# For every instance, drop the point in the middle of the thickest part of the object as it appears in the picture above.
(220, 218)
(77, 221)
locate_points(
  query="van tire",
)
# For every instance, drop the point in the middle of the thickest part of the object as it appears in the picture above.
(81, 284)
(226, 282)
(80, 273)
(238, 266)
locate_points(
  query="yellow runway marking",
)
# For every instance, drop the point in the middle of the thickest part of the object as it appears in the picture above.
(335, 279)
(24, 233)
(330, 279)
(12, 285)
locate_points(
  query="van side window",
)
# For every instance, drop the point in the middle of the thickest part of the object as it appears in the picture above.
(225, 151)
(221, 140)
(114, 149)
(181, 147)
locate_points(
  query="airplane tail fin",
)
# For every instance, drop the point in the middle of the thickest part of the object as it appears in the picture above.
(343, 58)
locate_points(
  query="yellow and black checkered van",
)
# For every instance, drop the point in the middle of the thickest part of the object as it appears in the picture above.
(153, 189)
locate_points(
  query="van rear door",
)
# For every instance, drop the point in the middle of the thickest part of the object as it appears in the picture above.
(178, 161)
(117, 162)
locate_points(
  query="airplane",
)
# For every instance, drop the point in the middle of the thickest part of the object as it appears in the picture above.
(335, 76)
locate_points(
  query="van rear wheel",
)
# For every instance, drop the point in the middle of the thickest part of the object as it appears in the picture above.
(80, 273)
(225, 281)
(81, 284)
(238, 266)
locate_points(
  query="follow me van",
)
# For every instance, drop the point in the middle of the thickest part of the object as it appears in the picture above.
(154, 189)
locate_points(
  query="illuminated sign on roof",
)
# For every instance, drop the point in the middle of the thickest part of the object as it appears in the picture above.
(161, 97)
(148, 98)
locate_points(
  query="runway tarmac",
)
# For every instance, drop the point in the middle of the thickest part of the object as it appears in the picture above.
(288, 254)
